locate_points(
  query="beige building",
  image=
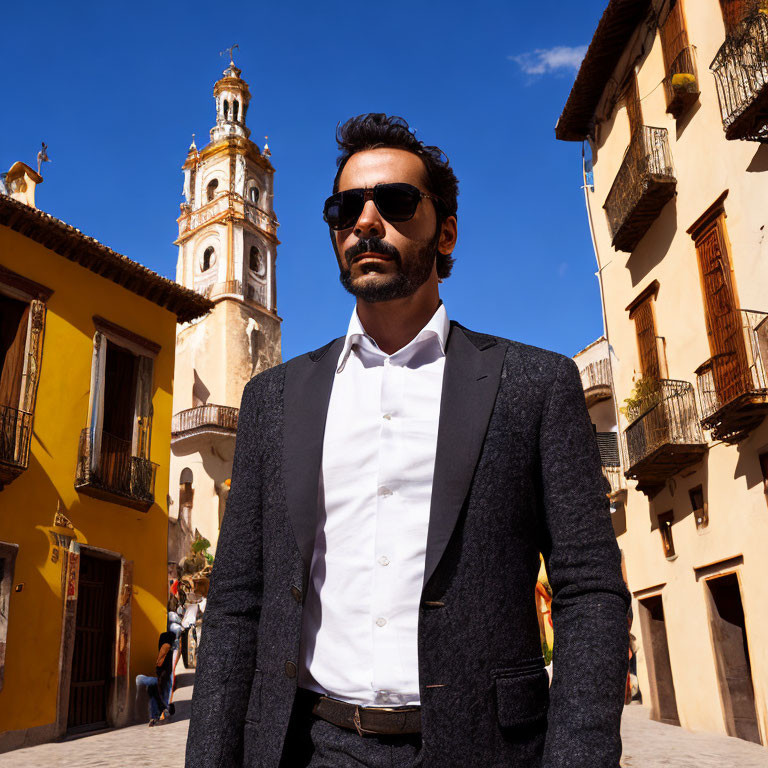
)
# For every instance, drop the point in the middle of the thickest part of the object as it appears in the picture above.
(227, 252)
(671, 104)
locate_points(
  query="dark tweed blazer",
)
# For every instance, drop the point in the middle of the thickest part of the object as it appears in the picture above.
(517, 472)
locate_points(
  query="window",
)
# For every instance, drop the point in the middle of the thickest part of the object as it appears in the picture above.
(208, 260)
(665, 528)
(22, 321)
(115, 446)
(735, 12)
(729, 363)
(255, 260)
(226, 109)
(235, 109)
(641, 311)
(699, 507)
(680, 84)
(210, 190)
(253, 194)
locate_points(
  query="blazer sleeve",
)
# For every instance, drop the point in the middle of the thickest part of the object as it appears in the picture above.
(590, 600)
(227, 653)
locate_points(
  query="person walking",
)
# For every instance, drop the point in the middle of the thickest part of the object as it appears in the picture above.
(159, 686)
(372, 599)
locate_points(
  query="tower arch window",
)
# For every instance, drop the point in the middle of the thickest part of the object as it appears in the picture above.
(255, 260)
(210, 190)
(253, 194)
(208, 260)
(226, 109)
(235, 109)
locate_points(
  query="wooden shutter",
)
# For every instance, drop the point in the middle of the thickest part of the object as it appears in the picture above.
(34, 355)
(674, 38)
(96, 409)
(736, 11)
(730, 366)
(14, 319)
(645, 328)
(632, 103)
(143, 407)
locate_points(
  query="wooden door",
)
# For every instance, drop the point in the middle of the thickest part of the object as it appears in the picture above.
(732, 657)
(654, 629)
(730, 367)
(645, 328)
(94, 646)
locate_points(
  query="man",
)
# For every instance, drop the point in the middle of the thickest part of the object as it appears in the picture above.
(372, 601)
(159, 686)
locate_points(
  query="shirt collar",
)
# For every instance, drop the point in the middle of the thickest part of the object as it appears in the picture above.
(438, 328)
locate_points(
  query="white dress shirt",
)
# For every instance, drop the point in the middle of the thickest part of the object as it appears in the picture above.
(359, 634)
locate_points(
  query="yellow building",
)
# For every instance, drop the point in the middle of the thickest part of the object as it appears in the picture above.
(87, 340)
(671, 104)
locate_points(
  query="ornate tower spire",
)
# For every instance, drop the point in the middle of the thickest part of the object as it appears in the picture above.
(232, 97)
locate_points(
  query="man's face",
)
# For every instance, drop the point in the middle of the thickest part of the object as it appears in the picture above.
(381, 260)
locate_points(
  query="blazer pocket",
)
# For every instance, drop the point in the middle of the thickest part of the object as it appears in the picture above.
(253, 713)
(522, 696)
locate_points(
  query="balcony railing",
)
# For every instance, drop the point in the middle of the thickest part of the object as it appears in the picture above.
(107, 469)
(226, 202)
(204, 418)
(664, 435)
(15, 432)
(642, 187)
(596, 381)
(733, 390)
(254, 291)
(741, 76)
(681, 85)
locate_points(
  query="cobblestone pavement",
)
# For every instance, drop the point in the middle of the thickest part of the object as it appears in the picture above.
(647, 744)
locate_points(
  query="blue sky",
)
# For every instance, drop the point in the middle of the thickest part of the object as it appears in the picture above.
(116, 90)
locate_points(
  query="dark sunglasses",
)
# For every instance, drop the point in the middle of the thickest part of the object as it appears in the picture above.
(395, 202)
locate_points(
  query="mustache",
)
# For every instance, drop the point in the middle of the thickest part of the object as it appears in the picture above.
(372, 245)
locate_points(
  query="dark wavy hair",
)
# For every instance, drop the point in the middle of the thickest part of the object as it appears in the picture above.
(376, 130)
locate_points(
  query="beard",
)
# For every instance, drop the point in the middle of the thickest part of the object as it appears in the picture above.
(398, 285)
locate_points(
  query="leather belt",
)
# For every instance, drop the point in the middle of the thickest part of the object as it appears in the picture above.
(388, 721)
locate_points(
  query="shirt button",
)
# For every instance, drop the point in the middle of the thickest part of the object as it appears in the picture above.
(387, 416)
(380, 622)
(384, 491)
(383, 560)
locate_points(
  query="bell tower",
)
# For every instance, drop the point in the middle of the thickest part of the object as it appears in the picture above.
(227, 252)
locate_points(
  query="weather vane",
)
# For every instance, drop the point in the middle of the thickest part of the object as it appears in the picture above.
(42, 157)
(230, 49)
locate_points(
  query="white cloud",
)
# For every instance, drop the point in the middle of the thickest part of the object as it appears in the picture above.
(544, 61)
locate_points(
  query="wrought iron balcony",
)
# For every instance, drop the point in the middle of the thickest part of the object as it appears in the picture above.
(596, 381)
(664, 435)
(681, 85)
(204, 419)
(106, 469)
(15, 432)
(733, 389)
(642, 187)
(741, 76)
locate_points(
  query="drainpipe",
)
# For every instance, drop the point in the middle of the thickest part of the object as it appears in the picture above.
(585, 187)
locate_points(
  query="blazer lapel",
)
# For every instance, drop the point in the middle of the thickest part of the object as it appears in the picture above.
(470, 382)
(307, 391)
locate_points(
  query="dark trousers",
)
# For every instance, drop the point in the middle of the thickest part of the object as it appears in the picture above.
(315, 743)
